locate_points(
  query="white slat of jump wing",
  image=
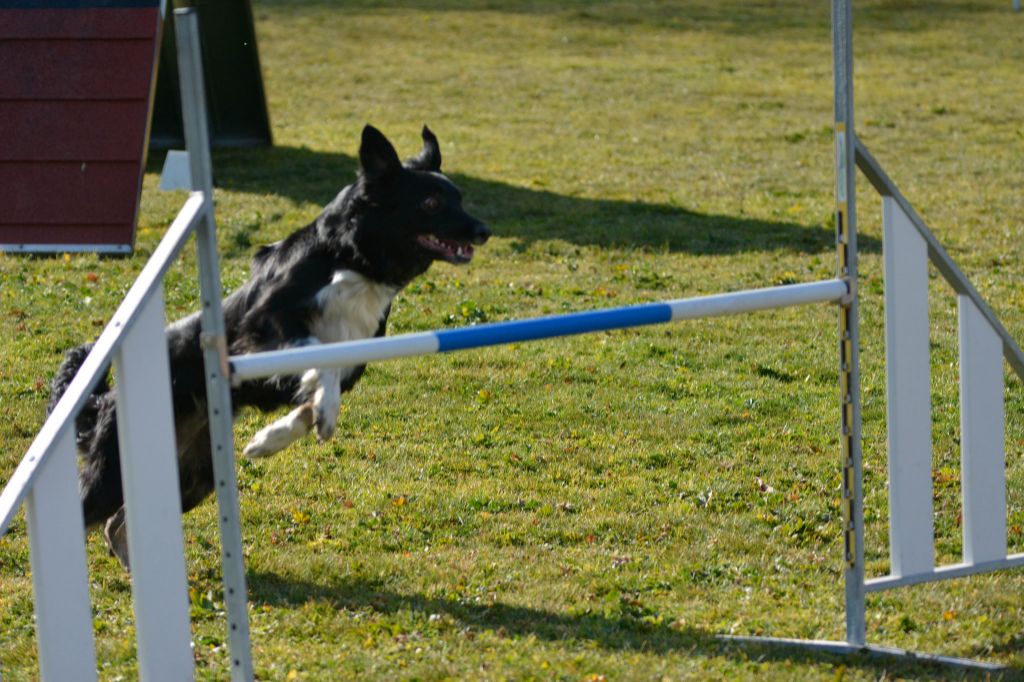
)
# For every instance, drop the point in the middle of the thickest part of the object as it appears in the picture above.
(982, 458)
(149, 469)
(59, 575)
(908, 411)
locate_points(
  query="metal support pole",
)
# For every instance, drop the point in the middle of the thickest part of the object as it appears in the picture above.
(849, 337)
(214, 342)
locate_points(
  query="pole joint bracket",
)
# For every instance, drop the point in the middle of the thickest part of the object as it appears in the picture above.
(219, 343)
(851, 291)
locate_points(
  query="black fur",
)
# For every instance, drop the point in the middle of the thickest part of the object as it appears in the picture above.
(375, 227)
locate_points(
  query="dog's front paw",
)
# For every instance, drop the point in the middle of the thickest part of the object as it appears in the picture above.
(326, 403)
(326, 421)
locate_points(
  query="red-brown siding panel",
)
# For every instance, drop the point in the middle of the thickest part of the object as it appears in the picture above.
(75, 94)
(69, 234)
(90, 69)
(97, 22)
(72, 130)
(75, 193)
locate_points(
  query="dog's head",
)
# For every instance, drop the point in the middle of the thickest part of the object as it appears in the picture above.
(408, 215)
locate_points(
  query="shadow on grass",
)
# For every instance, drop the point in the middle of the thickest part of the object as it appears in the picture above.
(305, 175)
(733, 18)
(1012, 645)
(616, 633)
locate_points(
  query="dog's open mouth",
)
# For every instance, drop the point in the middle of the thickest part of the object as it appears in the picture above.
(446, 249)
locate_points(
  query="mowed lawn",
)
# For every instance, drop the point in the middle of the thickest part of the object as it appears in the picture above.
(598, 507)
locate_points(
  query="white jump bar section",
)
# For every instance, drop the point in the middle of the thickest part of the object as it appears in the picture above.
(908, 404)
(752, 300)
(295, 360)
(346, 354)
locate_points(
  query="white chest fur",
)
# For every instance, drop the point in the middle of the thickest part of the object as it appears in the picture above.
(351, 307)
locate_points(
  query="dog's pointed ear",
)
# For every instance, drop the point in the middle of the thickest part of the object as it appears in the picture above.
(430, 158)
(377, 156)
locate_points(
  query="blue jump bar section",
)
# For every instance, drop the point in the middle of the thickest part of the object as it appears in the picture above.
(556, 325)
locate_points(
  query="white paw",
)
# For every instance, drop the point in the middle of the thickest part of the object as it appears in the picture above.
(263, 444)
(326, 419)
(280, 434)
(325, 429)
(327, 402)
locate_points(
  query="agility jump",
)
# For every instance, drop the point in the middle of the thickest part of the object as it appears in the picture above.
(45, 480)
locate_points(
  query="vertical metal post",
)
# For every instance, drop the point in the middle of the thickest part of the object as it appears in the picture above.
(849, 337)
(214, 342)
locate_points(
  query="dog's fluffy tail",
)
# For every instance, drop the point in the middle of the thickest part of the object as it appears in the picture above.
(85, 422)
(99, 478)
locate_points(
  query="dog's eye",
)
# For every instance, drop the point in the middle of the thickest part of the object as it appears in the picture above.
(431, 204)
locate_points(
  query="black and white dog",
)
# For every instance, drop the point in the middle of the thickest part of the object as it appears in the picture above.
(333, 280)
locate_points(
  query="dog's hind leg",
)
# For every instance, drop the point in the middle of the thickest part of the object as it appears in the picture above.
(195, 473)
(116, 534)
(195, 467)
(99, 477)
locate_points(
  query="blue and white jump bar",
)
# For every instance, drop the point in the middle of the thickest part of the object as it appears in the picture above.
(349, 353)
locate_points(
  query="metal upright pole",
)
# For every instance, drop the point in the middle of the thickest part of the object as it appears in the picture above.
(214, 343)
(849, 337)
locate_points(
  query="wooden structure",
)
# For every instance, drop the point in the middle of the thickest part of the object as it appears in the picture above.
(75, 95)
(237, 105)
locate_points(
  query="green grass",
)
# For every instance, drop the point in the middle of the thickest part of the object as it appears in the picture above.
(601, 505)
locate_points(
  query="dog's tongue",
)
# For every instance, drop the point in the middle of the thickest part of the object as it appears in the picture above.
(451, 251)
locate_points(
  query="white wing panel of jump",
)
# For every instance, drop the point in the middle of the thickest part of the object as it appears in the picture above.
(59, 577)
(156, 549)
(982, 426)
(908, 411)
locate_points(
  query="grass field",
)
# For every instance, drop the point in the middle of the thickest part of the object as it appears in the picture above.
(595, 508)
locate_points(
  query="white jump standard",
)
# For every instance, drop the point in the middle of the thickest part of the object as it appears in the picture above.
(135, 343)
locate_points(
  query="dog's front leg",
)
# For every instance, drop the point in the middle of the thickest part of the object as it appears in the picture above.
(327, 402)
(321, 411)
(325, 387)
(282, 433)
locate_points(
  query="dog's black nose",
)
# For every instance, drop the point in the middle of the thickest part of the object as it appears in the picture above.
(481, 233)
